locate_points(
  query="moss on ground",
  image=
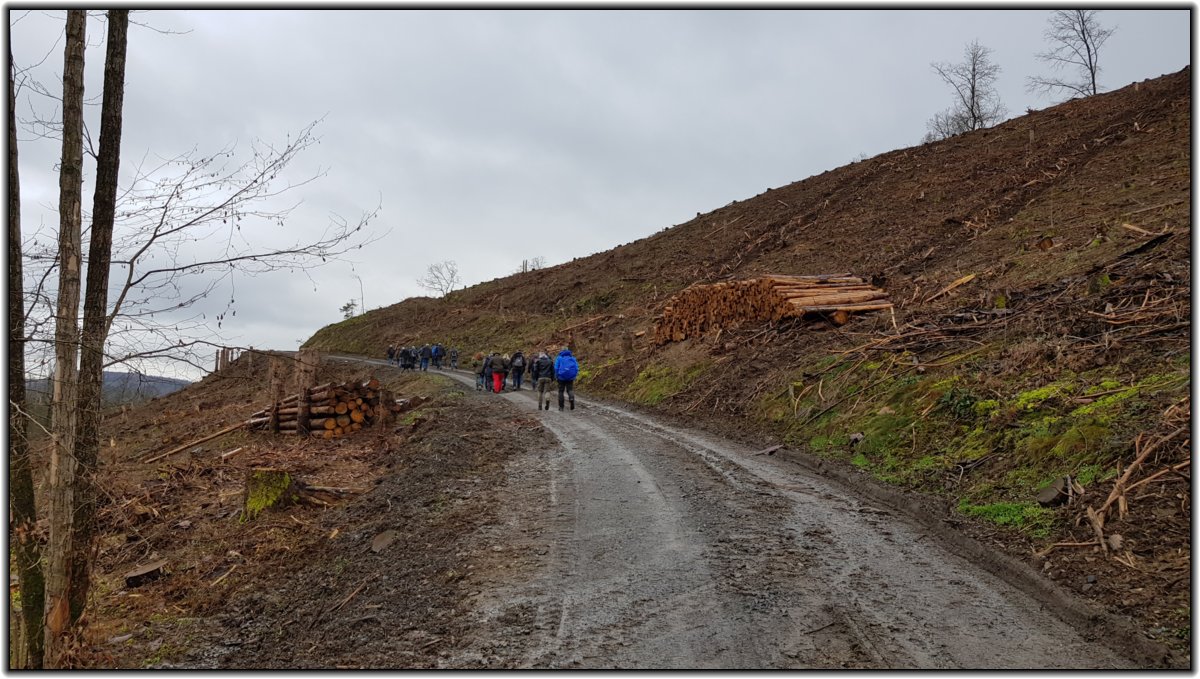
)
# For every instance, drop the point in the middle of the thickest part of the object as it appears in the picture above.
(921, 430)
(1026, 516)
(655, 384)
(265, 488)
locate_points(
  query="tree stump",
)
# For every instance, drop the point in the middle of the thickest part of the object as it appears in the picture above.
(267, 487)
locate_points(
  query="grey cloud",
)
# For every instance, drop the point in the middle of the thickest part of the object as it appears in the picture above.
(566, 131)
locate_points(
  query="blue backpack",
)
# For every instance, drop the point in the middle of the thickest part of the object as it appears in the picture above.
(567, 368)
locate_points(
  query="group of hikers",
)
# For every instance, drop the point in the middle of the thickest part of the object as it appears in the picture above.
(409, 358)
(493, 371)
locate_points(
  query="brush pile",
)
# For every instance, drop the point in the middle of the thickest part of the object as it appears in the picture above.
(328, 410)
(702, 308)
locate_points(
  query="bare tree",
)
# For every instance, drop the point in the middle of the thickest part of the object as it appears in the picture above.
(188, 227)
(532, 264)
(176, 233)
(1075, 37)
(62, 460)
(976, 102)
(95, 313)
(441, 278)
(26, 548)
(348, 309)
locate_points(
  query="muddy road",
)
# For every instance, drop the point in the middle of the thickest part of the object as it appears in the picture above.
(636, 544)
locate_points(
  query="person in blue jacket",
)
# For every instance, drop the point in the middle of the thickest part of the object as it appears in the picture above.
(566, 369)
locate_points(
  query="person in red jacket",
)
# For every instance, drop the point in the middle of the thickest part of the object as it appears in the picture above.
(499, 371)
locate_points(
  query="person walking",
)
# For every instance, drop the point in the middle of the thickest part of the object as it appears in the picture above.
(391, 353)
(487, 372)
(426, 354)
(566, 368)
(477, 368)
(517, 366)
(499, 371)
(541, 374)
(453, 358)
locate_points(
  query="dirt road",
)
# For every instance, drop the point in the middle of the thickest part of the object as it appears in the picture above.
(636, 544)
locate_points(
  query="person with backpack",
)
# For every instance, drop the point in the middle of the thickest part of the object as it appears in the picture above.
(566, 368)
(517, 365)
(487, 372)
(541, 374)
(426, 354)
(391, 353)
(453, 358)
(499, 371)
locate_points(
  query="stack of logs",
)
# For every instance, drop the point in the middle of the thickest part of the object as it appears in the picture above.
(328, 410)
(702, 308)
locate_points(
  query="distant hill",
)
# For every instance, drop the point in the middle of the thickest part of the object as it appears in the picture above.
(119, 387)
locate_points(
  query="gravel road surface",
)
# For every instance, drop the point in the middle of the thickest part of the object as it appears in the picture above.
(636, 544)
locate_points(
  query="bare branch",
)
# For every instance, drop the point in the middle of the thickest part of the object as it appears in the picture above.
(1075, 37)
(441, 278)
(976, 101)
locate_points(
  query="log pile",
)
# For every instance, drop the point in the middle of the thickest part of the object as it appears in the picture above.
(328, 410)
(702, 308)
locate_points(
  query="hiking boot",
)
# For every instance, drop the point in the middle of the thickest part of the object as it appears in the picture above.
(572, 405)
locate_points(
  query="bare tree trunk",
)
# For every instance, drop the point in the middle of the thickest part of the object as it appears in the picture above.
(95, 312)
(66, 335)
(20, 476)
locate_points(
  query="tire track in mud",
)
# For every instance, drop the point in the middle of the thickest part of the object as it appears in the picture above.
(668, 548)
(910, 604)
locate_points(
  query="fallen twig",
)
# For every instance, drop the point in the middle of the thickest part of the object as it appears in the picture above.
(949, 288)
(1050, 548)
(216, 582)
(1168, 470)
(197, 442)
(1118, 490)
(825, 626)
(352, 594)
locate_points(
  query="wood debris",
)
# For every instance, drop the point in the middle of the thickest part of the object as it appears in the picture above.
(702, 308)
(329, 410)
(143, 574)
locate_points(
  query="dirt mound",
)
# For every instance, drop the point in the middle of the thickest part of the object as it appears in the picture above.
(386, 558)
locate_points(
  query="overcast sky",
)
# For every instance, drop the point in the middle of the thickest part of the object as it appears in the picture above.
(493, 136)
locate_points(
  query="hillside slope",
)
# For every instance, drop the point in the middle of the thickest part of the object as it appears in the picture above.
(1067, 354)
(913, 218)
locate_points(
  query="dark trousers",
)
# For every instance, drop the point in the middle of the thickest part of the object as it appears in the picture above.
(487, 379)
(517, 375)
(569, 387)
